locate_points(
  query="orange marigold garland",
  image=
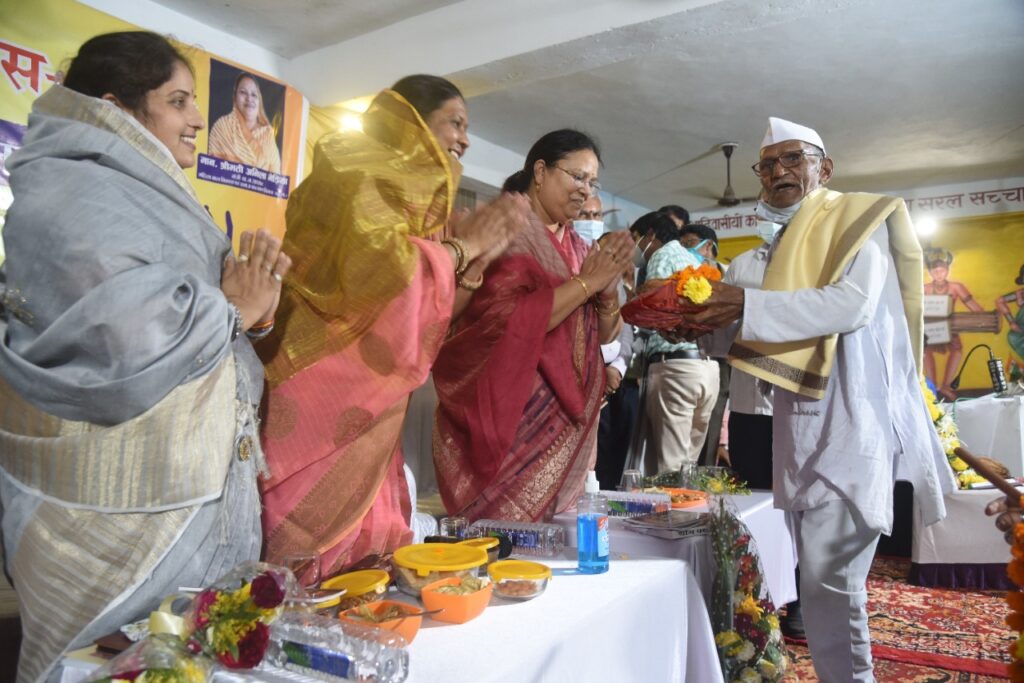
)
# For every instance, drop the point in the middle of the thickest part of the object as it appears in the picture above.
(695, 283)
(1015, 599)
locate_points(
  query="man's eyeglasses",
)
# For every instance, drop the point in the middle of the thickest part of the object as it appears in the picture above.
(581, 180)
(788, 160)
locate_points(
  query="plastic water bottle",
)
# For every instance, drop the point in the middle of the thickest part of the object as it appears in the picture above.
(592, 528)
(330, 650)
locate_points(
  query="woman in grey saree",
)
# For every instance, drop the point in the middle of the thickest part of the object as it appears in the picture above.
(128, 447)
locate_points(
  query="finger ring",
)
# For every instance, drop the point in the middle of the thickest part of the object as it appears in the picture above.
(277, 276)
(269, 268)
(242, 258)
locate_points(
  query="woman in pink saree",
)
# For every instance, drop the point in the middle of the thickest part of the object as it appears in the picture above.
(520, 380)
(362, 318)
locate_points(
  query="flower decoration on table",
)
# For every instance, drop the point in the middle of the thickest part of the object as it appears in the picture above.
(664, 304)
(231, 620)
(161, 658)
(1015, 598)
(945, 426)
(226, 624)
(719, 481)
(743, 616)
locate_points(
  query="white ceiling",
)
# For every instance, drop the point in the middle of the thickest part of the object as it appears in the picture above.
(905, 93)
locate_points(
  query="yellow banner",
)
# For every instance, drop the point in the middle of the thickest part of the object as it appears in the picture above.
(243, 175)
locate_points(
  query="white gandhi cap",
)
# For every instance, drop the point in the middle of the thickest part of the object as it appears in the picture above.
(780, 130)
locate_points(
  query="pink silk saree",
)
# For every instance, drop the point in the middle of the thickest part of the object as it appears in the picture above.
(333, 432)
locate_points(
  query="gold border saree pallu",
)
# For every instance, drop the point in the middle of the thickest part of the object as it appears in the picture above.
(112, 502)
(362, 315)
(515, 429)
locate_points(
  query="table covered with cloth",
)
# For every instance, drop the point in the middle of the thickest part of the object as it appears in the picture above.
(767, 525)
(643, 620)
(965, 550)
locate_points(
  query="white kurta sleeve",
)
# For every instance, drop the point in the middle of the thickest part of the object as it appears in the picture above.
(770, 316)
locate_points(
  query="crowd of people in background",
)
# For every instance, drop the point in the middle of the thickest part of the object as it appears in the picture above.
(124, 304)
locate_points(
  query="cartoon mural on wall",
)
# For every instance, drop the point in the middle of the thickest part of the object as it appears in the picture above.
(943, 339)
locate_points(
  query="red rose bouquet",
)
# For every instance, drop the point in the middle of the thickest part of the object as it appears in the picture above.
(230, 621)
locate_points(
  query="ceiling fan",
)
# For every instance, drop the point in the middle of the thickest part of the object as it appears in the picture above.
(728, 196)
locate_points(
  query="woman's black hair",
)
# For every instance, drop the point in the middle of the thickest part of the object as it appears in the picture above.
(126, 64)
(551, 148)
(658, 224)
(426, 93)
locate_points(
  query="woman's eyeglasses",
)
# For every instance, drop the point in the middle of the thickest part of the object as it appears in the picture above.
(581, 180)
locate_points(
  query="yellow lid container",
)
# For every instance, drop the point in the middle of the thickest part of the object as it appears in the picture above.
(488, 543)
(519, 579)
(425, 563)
(365, 585)
(519, 569)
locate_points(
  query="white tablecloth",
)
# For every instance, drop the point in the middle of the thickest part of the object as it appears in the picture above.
(767, 526)
(966, 536)
(643, 620)
(994, 427)
(640, 621)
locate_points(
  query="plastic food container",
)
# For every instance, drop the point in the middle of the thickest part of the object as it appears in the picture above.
(519, 579)
(407, 626)
(458, 609)
(423, 563)
(361, 588)
(488, 543)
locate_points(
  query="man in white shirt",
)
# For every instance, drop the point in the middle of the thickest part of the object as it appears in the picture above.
(837, 331)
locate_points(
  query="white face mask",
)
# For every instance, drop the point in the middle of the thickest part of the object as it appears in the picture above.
(640, 255)
(589, 230)
(776, 215)
(767, 230)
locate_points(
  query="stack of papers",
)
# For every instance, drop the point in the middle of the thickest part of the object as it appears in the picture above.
(672, 525)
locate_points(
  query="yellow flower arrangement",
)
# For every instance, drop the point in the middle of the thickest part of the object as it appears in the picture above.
(695, 283)
(750, 607)
(945, 427)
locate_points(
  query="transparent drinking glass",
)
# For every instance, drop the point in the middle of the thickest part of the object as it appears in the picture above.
(632, 480)
(306, 567)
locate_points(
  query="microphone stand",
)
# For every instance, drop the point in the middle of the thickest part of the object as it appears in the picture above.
(995, 370)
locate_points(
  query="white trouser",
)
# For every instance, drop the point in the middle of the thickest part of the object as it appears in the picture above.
(680, 397)
(835, 548)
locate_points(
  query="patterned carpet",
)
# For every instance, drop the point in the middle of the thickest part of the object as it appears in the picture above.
(927, 635)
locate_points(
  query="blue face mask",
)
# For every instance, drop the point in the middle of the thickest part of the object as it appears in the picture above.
(694, 250)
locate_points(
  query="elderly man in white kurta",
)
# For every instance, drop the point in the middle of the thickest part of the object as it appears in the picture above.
(837, 330)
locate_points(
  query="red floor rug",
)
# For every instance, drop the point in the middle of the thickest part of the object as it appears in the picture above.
(927, 635)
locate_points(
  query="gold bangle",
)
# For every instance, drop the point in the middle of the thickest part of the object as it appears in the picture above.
(467, 285)
(586, 290)
(611, 314)
(463, 253)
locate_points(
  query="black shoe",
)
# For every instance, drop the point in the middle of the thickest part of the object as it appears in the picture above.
(793, 623)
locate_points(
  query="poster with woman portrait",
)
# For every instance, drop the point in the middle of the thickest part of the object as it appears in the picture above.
(246, 118)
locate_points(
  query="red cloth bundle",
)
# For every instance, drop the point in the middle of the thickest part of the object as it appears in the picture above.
(659, 307)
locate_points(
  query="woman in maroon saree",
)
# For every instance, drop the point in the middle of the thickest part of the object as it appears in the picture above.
(520, 380)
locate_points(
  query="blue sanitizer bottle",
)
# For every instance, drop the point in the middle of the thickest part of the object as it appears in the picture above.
(592, 528)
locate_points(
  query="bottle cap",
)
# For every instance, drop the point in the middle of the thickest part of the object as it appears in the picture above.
(592, 485)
